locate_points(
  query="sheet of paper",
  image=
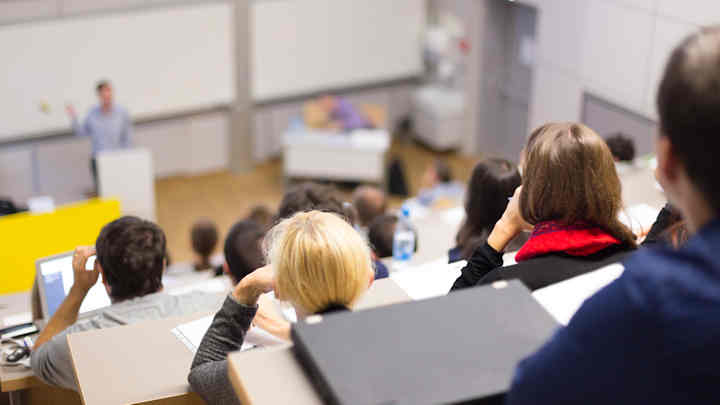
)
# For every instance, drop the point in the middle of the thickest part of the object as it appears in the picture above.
(639, 218)
(563, 299)
(432, 279)
(192, 333)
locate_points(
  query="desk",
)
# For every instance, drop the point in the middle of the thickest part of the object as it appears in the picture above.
(133, 364)
(255, 374)
(638, 186)
(12, 305)
(149, 365)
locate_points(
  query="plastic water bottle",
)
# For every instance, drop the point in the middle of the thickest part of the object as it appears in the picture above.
(403, 240)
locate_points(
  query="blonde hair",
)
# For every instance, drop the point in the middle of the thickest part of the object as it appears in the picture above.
(319, 261)
(569, 176)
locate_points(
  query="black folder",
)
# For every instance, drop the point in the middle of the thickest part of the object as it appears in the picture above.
(461, 348)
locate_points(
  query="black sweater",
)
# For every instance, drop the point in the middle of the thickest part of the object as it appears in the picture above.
(485, 266)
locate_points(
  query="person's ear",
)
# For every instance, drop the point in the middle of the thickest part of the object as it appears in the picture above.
(668, 164)
(226, 271)
(102, 277)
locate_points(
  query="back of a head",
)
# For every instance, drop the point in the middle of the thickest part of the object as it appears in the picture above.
(569, 176)
(370, 202)
(443, 171)
(380, 234)
(131, 252)
(621, 147)
(492, 182)
(261, 215)
(319, 260)
(204, 237)
(243, 249)
(309, 196)
(688, 103)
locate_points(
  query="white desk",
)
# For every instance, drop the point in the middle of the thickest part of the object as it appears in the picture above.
(358, 156)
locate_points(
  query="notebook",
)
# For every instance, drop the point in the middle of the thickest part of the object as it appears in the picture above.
(458, 348)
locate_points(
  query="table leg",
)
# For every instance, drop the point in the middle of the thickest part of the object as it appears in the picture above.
(15, 398)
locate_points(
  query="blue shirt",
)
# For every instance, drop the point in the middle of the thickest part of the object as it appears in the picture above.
(381, 271)
(651, 337)
(107, 131)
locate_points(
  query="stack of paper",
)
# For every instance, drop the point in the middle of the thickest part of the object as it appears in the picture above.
(192, 333)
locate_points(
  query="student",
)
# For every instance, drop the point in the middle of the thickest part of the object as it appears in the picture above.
(131, 258)
(653, 335)
(438, 184)
(313, 196)
(622, 147)
(370, 202)
(491, 185)
(317, 262)
(571, 195)
(243, 250)
(204, 238)
(262, 216)
(669, 227)
(381, 234)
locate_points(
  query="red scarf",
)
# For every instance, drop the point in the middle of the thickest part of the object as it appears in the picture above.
(579, 239)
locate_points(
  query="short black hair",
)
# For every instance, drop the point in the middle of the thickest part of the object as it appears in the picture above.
(243, 249)
(381, 233)
(132, 254)
(204, 237)
(621, 146)
(688, 104)
(310, 196)
(101, 85)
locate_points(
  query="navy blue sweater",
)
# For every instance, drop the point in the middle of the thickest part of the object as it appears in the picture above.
(650, 337)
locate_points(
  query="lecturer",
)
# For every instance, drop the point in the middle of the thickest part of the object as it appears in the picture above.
(108, 126)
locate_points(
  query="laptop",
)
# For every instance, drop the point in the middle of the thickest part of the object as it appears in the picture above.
(54, 278)
(460, 348)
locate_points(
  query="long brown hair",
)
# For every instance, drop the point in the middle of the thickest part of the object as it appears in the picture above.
(569, 176)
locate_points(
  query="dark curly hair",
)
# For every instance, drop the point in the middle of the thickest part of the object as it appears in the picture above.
(313, 196)
(622, 147)
(132, 254)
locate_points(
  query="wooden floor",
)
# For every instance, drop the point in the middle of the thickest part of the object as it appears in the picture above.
(225, 197)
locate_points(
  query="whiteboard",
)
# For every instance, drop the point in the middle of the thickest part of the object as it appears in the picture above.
(161, 61)
(305, 46)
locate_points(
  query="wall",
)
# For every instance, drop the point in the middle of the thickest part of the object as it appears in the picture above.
(613, 49)
(200, 142)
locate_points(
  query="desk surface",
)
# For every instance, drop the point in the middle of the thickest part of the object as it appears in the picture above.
(15, 378)
(638, 186)
(151, 362)
(132, 364)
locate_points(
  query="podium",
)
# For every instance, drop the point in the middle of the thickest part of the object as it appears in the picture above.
(127, 175)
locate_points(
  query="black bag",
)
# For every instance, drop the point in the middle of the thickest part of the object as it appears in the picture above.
(396, 179)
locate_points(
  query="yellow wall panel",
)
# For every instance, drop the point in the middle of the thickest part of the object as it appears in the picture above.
(27, 237)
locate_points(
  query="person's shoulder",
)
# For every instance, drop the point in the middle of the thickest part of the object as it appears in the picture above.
(672, 278)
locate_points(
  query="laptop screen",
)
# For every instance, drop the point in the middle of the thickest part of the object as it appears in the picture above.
(56, 276)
